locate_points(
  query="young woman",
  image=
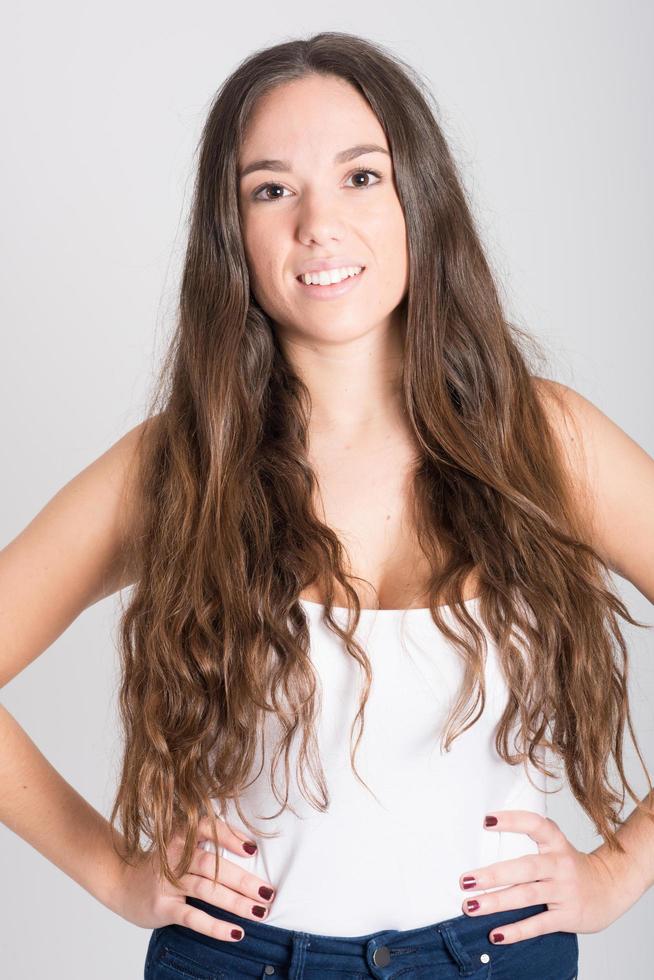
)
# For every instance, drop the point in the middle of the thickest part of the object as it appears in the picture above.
(369, 549)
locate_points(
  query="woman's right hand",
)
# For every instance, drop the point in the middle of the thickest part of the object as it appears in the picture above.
(149, 900)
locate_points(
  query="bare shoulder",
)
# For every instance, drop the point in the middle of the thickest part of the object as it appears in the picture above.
(71, 554)
(570, 417)
(613, 480)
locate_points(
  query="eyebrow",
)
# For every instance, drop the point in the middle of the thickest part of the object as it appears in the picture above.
(285, 166)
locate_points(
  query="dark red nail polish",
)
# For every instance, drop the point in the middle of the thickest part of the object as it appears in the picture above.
(250, 848)
(237, 934)
(498, 937)
(472, 905)
(469, 882)
(490, 821)
(259, 911)
(265, 892)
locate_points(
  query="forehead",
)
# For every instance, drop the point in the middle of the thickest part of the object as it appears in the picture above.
(312, 118)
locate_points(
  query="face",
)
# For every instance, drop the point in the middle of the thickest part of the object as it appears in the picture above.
(309, 205)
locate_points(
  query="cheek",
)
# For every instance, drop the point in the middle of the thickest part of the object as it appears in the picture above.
(261, 243)
(394, 254)
(256, 251)
(387, 228)
(400, 235)
(265, 280)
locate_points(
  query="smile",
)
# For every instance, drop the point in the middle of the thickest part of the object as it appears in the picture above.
(331, 290)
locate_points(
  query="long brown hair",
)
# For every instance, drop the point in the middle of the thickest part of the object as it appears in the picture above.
(214, 634)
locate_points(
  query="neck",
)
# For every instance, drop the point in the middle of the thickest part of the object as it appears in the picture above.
(355, 386)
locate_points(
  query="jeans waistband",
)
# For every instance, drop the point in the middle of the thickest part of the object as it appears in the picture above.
(463, 940)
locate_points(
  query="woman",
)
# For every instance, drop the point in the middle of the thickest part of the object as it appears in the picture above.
(344, 402)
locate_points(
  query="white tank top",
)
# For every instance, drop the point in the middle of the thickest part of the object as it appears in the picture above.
(394, 862)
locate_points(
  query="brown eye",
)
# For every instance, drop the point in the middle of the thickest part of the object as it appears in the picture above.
(358, 173)
(265, 187)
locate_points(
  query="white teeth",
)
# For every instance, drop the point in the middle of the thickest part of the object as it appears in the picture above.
(329, 276)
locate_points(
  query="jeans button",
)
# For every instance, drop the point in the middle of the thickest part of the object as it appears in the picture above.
(381, 956)
(269, 970)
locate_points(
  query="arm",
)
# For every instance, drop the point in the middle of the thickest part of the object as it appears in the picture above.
(614, 481)
(39, 805)
(633, 871)
(615, 478)
(65, 560)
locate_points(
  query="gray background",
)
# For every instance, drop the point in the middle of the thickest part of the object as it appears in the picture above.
(548, 111)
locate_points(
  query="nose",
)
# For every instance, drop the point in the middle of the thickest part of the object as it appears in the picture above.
(319, 220)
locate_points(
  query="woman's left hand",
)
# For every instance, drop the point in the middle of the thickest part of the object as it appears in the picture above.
(577, 887)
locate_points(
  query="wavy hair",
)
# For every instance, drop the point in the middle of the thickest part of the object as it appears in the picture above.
(214, 635)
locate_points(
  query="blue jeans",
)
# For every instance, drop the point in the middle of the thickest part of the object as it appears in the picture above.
(446, 950)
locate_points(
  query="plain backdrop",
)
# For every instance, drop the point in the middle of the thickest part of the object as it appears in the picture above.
(548, 109)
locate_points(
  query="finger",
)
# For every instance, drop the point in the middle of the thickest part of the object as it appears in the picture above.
(193, 918)
(534, 925)
(197, 886)
(543, 830)
(517, 897)
(234, 877)
(513, 871)
(233, 840)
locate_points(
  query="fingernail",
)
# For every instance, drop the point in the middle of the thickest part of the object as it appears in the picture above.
(498, 937)
(490, 821)
(250, 848)
(469, 882)
(472, 904)
(237, 934)
(259, 911)
(265, 892)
